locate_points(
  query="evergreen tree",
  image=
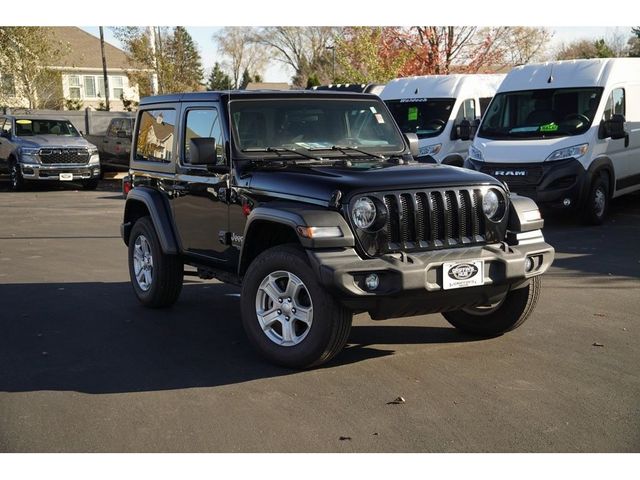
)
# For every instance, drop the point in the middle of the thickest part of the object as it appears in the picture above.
(246, 79)
(218, 80)
(185, 61)
(313, 81)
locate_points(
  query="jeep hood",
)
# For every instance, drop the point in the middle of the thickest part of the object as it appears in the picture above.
(320, 182)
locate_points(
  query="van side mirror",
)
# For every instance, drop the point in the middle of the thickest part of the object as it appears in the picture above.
(412, 140)
(203, 151)
(614, 127)
(464, 130)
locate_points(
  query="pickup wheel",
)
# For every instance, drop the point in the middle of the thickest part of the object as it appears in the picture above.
(506, 315)
(287, 315)
(156, 277)
(16, 181)
(597, 201)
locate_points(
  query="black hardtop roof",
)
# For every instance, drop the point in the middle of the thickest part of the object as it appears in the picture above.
(247, 94)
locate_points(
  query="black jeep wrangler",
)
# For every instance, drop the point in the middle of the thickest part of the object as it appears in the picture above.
(314, 204)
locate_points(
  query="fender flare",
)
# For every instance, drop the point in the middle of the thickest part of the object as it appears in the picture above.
(599, 164)
(158, 208)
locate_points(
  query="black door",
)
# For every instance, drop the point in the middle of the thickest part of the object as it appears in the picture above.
(200, 197)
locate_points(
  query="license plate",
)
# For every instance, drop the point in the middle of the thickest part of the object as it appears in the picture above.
(462, 274)
(65, 177)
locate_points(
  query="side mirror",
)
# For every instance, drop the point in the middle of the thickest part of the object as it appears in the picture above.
(122, 134)
(412, 140)
(464, 130)
(614, 127)
(5, 134)
(203, 151)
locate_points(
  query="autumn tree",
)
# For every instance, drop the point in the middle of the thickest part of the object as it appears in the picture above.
(304, 49)
(585, 49)
(171, 54)
(369, 54)
(26, 55)
(467, 49)
(238, 45)
(218, 79)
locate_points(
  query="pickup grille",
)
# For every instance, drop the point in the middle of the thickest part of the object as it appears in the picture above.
(78, 156)
(426, 220)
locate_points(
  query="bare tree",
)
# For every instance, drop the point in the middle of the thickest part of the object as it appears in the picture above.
(304, 49)
(244, 53)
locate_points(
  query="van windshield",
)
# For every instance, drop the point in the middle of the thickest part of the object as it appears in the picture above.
(312, 124)
(553, 112)
(426, 117)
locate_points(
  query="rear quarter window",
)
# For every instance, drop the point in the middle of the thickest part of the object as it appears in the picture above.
(156, 135)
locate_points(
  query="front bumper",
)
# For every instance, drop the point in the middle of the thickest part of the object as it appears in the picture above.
(549, 186)
(412, 284)
(52, 172)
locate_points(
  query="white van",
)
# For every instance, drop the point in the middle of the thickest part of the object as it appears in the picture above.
(442, 110)
(566, 134)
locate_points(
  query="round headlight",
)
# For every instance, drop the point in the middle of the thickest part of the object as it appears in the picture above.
(364, 213)
(493, 205)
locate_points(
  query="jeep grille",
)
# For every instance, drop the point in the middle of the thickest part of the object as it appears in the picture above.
(428, 220)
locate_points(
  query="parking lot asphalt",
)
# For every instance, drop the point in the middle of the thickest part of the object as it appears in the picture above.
(85, 368)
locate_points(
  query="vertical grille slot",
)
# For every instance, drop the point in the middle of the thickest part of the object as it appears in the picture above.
(477, 214)
(464, 209)
(437, 219)
(393, 224)
(407, 219)
(422, 217)
(452, 232)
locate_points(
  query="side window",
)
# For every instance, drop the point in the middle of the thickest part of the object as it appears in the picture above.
(615, 104)
(114, 126)
(156, 130)
(204, 122)
(6, 128)
(484, 104)
(467, 111)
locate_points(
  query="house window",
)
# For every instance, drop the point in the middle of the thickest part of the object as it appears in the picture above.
(7, 85)
(117, 85)
(89, 87)
(75, 90)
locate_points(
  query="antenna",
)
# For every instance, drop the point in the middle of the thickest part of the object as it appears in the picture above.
(550, 79)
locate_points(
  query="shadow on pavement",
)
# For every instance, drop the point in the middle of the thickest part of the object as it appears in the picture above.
(95, 338)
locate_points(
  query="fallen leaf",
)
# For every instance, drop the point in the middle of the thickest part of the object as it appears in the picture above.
(397, 401)
(597, 344)
(345, 438)
(599, 314)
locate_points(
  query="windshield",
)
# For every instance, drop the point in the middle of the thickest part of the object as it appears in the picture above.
(314, 124)
(424, 117)
(30, 127)
(541, 113)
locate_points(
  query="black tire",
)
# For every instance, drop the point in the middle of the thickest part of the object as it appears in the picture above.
(16, 181)
(594, 213)
(90, 184)
(167, 272)
(331, 322)
(508, 315)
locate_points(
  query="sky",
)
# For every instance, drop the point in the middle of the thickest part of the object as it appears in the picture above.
(277, 72)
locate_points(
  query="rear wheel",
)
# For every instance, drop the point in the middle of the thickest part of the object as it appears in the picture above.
(287, 315)
(156, 277)
(501, 317)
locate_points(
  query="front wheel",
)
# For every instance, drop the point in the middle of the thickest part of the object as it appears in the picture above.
(156, 277)
(502, 317)
(16, 180)
(287, 315)
(597, 202)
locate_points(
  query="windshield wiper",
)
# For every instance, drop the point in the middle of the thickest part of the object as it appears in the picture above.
(280, 150)
(345, 149)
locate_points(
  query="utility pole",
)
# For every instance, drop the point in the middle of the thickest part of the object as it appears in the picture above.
(154, 75)
(333, 50)
(104, 71)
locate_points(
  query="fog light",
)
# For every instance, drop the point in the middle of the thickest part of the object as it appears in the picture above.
(566, 202)
(372, 281)
(528, 264)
